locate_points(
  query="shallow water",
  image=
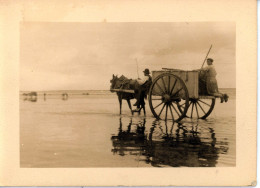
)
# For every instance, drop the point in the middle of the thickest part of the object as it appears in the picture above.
(87, 131)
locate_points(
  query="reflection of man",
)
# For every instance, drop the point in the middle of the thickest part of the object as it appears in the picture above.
(142, 87)
(208, 77)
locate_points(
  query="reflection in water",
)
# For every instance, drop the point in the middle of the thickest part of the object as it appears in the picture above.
(32, 96)
(128, 141)
(168, 144)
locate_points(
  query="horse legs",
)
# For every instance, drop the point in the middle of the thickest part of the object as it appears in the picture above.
(120, 102)
(142, 107)
(142, 102)
(129, 104)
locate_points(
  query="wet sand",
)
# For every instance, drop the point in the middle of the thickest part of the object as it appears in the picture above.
(87, 131)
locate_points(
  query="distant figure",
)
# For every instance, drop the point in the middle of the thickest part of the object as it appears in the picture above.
(64, 96)
(142, 89)
(207, 79)
(44, 96)
(32, 96)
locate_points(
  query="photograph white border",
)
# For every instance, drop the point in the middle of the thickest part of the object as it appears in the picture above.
(243, 12)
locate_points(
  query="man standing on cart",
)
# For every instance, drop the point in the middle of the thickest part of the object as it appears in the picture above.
(142, 89)
(208, 78)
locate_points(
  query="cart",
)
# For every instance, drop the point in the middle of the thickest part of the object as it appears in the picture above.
(174, 95)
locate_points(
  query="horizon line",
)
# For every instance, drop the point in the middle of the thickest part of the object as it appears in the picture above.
(96, 89)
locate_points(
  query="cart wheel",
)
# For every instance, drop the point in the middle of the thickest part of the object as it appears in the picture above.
(198, 108)
(166, 91)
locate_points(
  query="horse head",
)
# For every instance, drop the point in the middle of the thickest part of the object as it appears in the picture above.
(113, 82)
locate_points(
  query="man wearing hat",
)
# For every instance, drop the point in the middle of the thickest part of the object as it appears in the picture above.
(142, 88)
(208, 75)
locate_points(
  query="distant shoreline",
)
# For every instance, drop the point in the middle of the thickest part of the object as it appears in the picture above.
(79, 90)
(76, 90)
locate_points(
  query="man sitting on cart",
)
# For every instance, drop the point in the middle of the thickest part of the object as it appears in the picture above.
(208, 81)
(142, 88)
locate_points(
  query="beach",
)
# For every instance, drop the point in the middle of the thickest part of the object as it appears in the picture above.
(84, 129)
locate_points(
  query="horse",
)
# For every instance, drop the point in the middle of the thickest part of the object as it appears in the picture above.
(125, 83)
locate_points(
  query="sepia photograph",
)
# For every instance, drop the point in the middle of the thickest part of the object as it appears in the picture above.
(127, 94)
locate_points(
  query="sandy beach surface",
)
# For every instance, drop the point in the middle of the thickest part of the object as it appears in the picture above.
(86, 130)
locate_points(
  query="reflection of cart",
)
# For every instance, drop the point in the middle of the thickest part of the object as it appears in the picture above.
(163, 145)
(174, 94)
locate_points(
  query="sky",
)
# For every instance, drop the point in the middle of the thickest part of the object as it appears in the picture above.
(84, 56)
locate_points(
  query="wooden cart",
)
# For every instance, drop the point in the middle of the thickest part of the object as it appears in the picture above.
(174, 95)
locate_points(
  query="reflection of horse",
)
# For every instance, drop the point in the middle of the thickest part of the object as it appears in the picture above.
(127, 140)
(124, 83)
(181, 147)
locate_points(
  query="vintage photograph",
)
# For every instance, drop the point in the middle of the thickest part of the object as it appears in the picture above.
(127, 94)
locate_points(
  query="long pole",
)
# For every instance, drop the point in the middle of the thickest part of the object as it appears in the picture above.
(206, 56)
(137, 67)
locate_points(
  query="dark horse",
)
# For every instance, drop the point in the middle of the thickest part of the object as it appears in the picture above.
(125, 83)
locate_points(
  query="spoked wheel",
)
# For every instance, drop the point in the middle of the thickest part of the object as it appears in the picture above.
(166, 91)
(198, 108)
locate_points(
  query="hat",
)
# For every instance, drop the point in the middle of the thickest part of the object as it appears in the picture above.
(210, 59)
(146, 71)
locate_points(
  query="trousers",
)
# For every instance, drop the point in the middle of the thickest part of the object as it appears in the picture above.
(140, 94)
